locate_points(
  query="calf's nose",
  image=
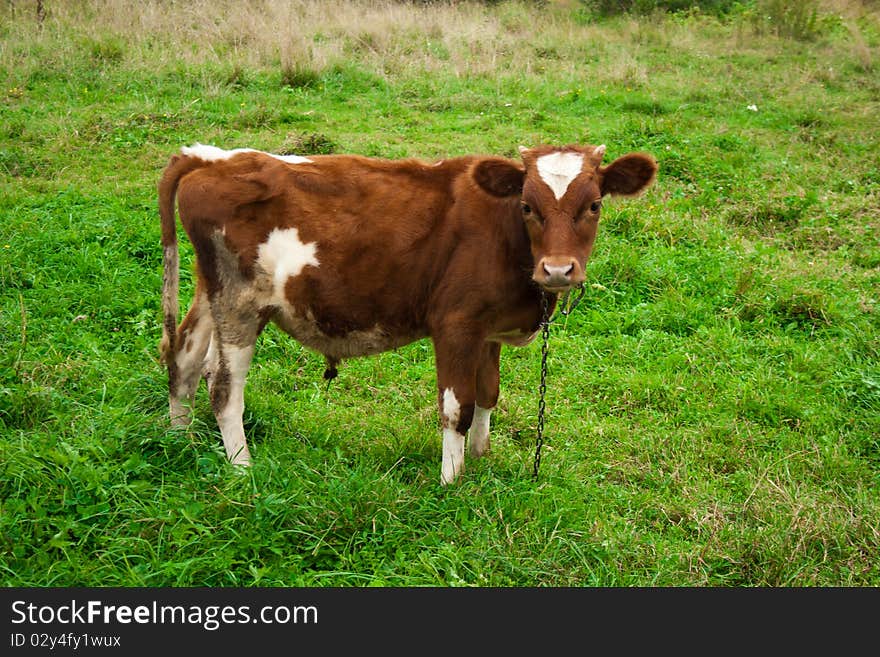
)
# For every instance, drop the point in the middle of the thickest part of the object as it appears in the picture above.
(559, 272)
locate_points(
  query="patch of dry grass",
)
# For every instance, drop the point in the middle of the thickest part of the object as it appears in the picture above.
(385, 37)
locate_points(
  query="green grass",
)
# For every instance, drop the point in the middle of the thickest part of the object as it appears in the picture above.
(713, 403)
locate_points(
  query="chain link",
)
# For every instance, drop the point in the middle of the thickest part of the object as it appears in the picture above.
(542, 388)
(565, 308)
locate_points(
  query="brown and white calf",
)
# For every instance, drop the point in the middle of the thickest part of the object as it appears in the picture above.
(353, 256)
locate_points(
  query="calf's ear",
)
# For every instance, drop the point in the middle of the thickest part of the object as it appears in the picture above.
(628, 175)
(499, 177)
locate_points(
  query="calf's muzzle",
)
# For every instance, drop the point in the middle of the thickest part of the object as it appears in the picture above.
(558, 273)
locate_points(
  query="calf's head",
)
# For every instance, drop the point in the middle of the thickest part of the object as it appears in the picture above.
(561, 191)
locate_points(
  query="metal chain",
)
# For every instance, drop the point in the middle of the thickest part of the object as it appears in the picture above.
(567, 305)
(565, 308)
(542, 388)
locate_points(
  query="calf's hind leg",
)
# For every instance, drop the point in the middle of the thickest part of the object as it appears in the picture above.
(233, 347)
(185, 370)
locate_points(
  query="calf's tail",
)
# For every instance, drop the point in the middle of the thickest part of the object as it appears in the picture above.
(177, 168)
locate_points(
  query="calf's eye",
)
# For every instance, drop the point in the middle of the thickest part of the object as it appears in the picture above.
(526, 208)
(595, 206)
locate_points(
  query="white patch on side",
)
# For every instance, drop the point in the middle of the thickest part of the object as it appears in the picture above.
(214, 154)
(559, 169)
(453, 456)
(451, 408)
(478, 436)
(283, 255)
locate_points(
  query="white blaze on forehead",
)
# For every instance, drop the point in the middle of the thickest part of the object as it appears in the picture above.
(284, 255)
(559, 169)
(214, 154)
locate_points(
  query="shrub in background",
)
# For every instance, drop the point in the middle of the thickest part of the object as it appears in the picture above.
(787, 18)
(615, 7)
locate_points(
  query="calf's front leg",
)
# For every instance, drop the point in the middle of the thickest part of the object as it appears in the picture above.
(487, 397)
(456, 356)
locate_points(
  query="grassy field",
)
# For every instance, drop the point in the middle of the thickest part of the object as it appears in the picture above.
(713, 404)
